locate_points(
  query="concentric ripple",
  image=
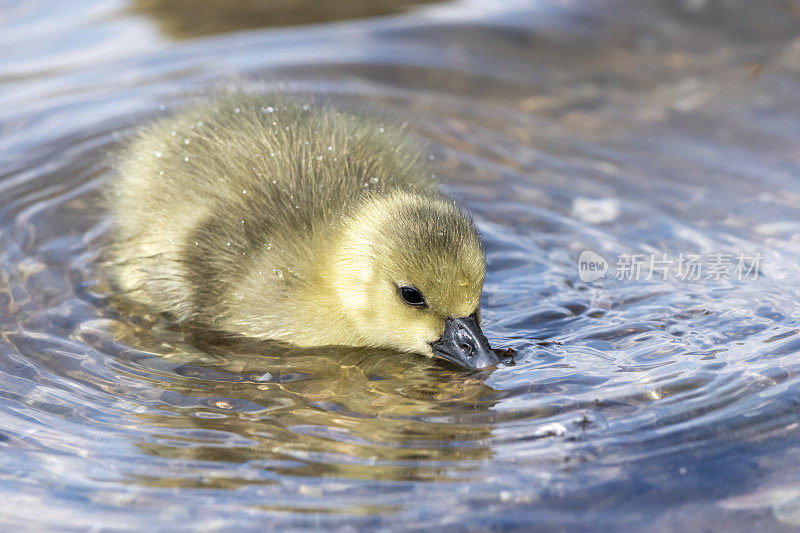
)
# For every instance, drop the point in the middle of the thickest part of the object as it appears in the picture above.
(643, 128)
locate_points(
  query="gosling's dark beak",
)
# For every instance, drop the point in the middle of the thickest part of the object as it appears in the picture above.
(463, 343)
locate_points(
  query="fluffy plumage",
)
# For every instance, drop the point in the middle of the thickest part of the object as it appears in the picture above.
(272, 218)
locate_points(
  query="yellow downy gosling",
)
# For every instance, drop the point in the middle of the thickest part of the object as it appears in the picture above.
(262, 216)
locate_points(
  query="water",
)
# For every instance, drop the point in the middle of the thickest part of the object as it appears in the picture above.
(638, 127)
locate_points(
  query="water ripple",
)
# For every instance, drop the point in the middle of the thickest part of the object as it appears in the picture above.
(620, 128)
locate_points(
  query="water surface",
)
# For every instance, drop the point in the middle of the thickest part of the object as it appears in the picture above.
(642, 128)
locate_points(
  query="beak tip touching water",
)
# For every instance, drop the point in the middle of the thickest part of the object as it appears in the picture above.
(464, 344)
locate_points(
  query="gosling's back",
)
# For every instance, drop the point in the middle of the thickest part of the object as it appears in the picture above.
(201, 192)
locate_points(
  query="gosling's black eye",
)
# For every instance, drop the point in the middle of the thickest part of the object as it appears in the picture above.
(412, 296)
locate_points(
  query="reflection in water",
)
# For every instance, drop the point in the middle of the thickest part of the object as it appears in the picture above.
(342, 413)
(183, 19)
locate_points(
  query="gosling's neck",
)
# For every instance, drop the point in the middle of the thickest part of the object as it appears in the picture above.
(338, 289)
(317, 303)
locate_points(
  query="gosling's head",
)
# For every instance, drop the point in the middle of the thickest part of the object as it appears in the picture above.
(409, 274)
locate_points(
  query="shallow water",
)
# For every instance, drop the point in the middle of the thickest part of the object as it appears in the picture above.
(640, 127)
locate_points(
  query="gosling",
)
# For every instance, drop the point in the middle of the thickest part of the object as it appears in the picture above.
(267, 217)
